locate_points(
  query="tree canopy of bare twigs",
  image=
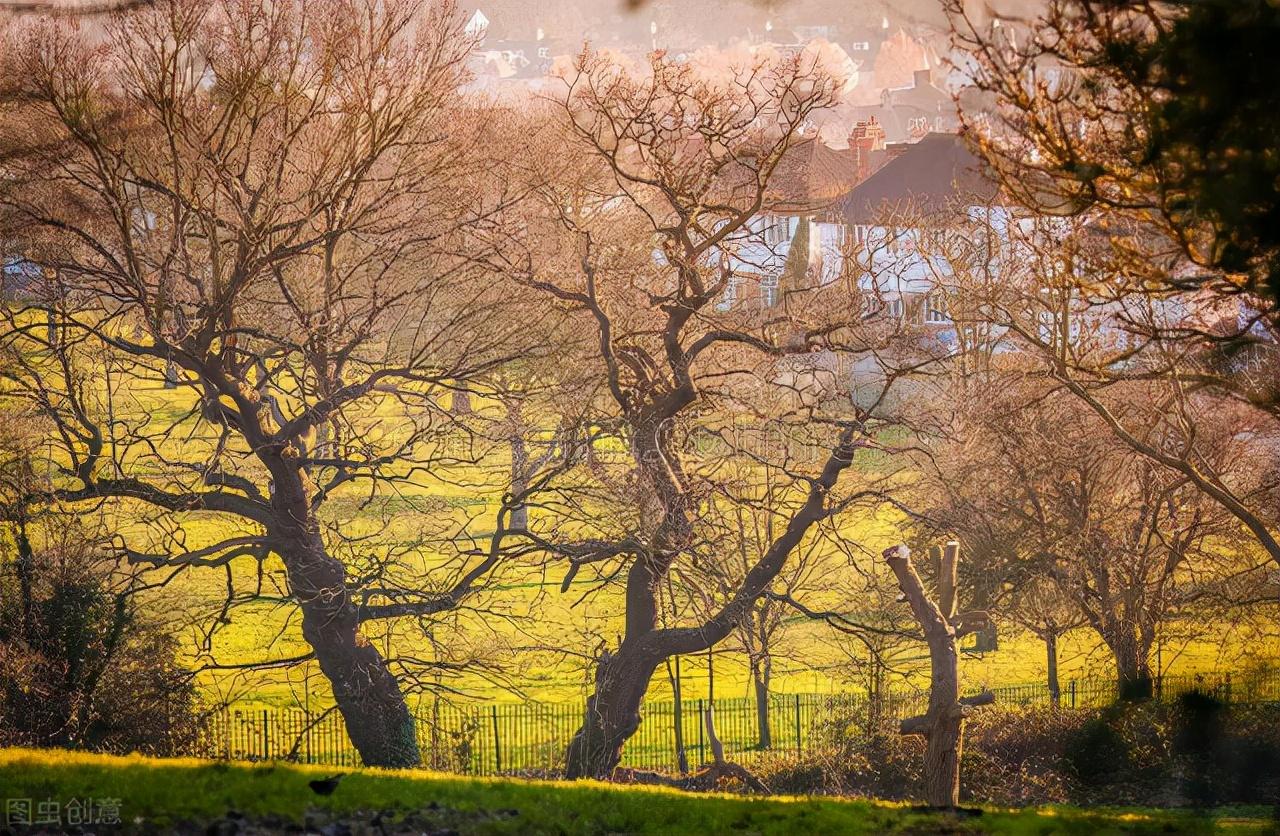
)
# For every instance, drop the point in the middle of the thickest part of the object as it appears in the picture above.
(272, 210)
(644, 226)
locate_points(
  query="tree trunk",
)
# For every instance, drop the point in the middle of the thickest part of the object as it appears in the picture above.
(374, 710)
(1051, 660)
(942, 725)
(944, 722)
(761, 673)
(1133, 667)
(986, 640)
(612, 715)
(519, 468)
(682, 755)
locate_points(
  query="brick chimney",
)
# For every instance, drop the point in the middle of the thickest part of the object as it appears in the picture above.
(922, 78)
(866, 138)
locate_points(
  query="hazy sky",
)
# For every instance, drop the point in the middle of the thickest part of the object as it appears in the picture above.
(694, 22)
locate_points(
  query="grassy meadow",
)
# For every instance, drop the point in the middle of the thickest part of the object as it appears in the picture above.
(535, 618)
(524, 623)
(196, 796)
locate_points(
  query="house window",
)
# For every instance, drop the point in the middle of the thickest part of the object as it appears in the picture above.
(769, 291)
(935, 309)
(1048, 327)
(861, 46)
(544, 52)
(894, 307)
(776, 230)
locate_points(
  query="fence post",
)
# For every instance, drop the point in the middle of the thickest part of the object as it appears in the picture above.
(266, 737)
(1073, 693)
(497, 747)
(798, 749)
(702, 756)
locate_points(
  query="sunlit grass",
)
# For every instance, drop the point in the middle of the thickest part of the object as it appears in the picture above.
(155, 793)
(537, 612)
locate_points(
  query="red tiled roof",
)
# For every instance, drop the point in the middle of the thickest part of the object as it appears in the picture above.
(927, 176)
(811, 176)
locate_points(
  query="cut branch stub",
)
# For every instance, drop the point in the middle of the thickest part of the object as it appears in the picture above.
(942, 725)
(947, 579)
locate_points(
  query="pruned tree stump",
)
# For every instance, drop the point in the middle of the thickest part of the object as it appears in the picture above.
(942, 726)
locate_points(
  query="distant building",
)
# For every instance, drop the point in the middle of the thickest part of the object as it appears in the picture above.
(800, 208)
(518, 41)
(926, 185)
(909, 113)
(23, 282)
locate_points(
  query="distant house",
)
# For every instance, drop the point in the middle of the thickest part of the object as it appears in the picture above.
(518, 40)
(909, 113)
(810, 182)
(926, 185)
(516, 59)
(477, 25)
(800, 210)
(23, 282)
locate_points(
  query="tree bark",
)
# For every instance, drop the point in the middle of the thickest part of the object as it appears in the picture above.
(1134, 684)
(1051, 661)
(1133, 666)
(761, 673)
(519, 520)
(944, 744)
(682, 755)
(367, 694)
(612, 716)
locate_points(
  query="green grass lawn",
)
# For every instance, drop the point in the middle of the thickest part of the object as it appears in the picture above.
(189, 796)
(535, 613)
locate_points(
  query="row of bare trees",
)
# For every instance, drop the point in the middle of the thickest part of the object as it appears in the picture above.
(295, 218)
(364, 285)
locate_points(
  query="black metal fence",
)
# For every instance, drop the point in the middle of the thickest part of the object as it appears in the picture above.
(530, 738)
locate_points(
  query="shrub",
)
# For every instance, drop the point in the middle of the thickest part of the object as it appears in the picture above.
(1129, 754)
(79, 667)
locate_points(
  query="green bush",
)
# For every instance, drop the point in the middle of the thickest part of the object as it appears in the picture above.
(79, 668)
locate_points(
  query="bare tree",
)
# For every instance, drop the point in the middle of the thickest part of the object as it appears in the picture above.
(737, 534)
(673, 167)
(1039, 607)
(1078, 96)
(271, 199)
(1128, 543)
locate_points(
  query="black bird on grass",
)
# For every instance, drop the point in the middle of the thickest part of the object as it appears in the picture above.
(325, 786)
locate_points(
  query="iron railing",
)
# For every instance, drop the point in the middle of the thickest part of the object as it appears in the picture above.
(531, 738)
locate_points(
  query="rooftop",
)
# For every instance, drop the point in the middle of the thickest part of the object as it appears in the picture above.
(929, 174)
(811, 176)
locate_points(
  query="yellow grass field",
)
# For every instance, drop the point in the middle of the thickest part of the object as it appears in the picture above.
(542, 636)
